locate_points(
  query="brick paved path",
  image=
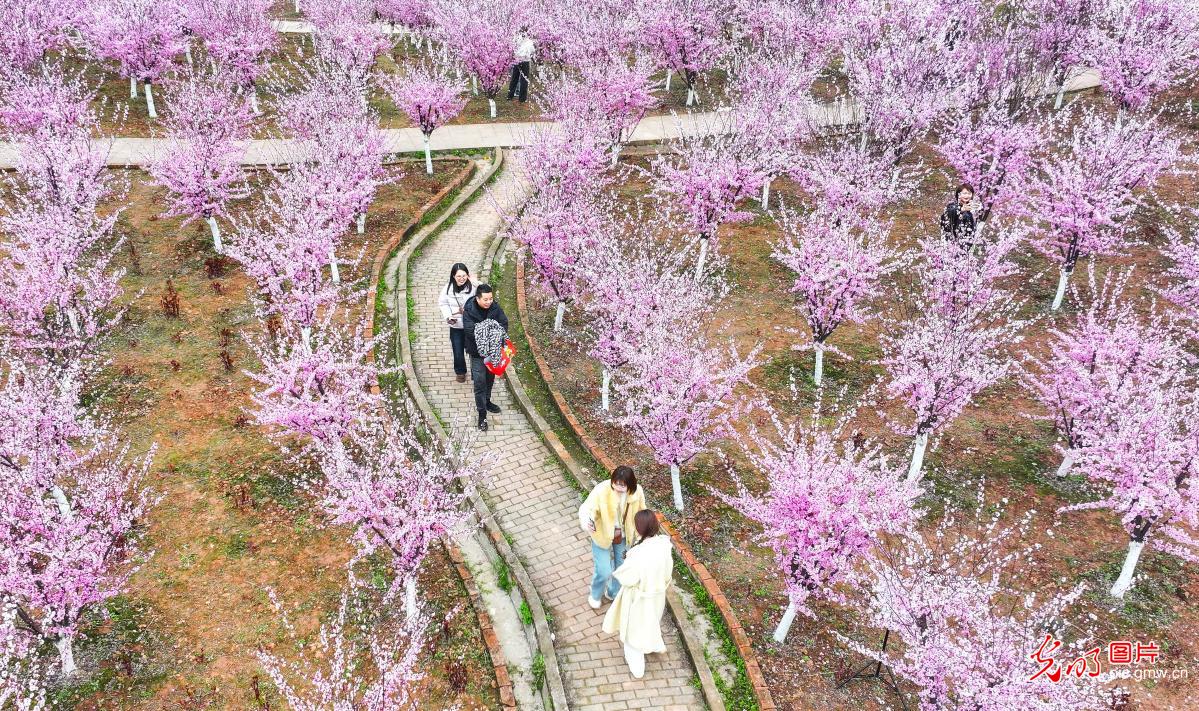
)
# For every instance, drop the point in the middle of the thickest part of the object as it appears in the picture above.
(530, 495)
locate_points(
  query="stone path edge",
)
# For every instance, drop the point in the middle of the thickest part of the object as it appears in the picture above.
(553, 673)
(499, 663)
(740, 639)
(691, 642)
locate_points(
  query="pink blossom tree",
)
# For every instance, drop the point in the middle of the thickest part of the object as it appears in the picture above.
(49, 100)
(330, 677)
(837, 270)
(826, 505)
(1083, 199)
(348, 40)
(144, 36)
(22, 682)
(397, 492)
(239, 37)
(316, 389)
(686, 36)
(1143, 465)
(1141, 47)
(69, 510)
(992, 151)
(478, 33)
(711, 175)
(1183, 292)
(428, 96)
(558, 237)
(1058, 32)
(947, 597)
(33, 29)
(609, 98)
(1107, 348)
(940, 358)
(633, 282)
(677, 396)
(414, 15)
(847, 180)
(771, 96)
(209, 132)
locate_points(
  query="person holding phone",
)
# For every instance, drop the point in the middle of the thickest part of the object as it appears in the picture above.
(452, 300)
(607, 516)
(958, 221)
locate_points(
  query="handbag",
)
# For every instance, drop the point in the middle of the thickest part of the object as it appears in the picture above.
(506, 354)
(618, 534)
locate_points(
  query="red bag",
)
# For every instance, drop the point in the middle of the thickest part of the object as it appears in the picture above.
(506, 354)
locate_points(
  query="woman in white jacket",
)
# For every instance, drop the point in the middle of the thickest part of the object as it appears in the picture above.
(645, 575)
(455, 295)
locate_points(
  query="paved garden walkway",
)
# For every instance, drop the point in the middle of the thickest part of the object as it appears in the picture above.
(530, 494)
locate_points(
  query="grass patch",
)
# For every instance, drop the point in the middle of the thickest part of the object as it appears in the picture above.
(738, 695)
(1149, 607)
(503, 576)
(538, 671)
(526, 614)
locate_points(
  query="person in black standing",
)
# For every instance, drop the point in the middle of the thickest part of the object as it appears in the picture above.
(958, 220)
(481, 307)
(523, 50)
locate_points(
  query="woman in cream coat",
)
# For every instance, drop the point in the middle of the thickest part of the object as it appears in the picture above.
(637, 611)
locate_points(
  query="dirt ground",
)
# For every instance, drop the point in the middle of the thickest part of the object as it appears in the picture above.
(995, 438)
(233, 521)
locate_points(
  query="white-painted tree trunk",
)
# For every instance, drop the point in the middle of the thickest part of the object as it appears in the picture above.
(703, 255)
(615, 154)
(474, 85)
(306, 338)
(1124, 582)
(491, 105)
(132, 87)
(780, 632)
(297, 7)
(558, 316)
(690, 96)
(410, 597)
(1067, 462)
(150, 102)
(918, 457)
(64, 504)
(818, 371)
(979, 229)
(605, 388)
(1063, 276)
(669, 74)
(676, 486)
(1061, 94)
(66, 655)
(213, 227)
(428, 157)
(254, 100)
(73, 319)
(766, 193)
(360, 222)
(336, 275)
(188, 53)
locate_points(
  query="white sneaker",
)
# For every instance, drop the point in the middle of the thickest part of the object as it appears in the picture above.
(595, 604)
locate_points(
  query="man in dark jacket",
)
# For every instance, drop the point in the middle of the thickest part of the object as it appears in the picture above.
(957, 222)
(478, 309)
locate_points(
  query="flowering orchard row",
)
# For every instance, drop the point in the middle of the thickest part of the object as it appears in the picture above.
(647, 274)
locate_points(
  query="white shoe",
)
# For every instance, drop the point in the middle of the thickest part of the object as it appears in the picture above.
(595, 604)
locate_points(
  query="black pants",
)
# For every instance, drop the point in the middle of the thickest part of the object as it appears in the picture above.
(457, 344)
(519, 81)
(482, 379)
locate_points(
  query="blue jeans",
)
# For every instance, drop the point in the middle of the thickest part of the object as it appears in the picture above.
(606, 560)
(457, 344)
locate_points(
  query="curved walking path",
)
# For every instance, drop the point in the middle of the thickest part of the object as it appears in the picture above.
(530, 494)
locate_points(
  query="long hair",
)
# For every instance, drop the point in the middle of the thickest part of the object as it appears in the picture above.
(452, 287)
(646, 522)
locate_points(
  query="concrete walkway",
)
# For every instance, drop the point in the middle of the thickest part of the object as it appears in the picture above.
(142, 151)
(530, 494)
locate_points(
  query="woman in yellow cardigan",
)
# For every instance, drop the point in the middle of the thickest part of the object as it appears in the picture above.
(607, 515)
